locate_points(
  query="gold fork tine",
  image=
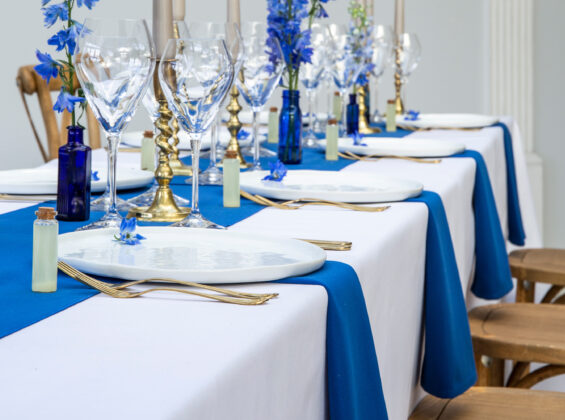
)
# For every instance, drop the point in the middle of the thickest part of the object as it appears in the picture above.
(353, 156)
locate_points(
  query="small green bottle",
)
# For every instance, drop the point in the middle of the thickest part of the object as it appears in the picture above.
(44, 262)
(331, 139)
(391, 115)
(273, 136)
(231, 179)
(148, 152)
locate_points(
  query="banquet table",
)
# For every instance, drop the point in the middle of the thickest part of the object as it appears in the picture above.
(184, 357)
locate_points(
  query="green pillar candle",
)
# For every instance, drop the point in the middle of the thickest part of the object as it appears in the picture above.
(331, 139)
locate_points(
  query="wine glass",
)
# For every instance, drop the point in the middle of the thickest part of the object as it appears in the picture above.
(195, 74)
(345, 66)
(261, 71)
(409, 53)
(151, 105)
(311, 74)
(228, 32)
(114, 62)
(382, 40)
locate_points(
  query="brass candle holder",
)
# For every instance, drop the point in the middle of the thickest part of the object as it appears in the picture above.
(398, 84)
(364, 126)
(175, 163)
(234, 125)
(164, 207)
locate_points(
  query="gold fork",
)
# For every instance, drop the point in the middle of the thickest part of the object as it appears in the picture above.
(301, 202)
(38, 197)
(353, 156)
(117, 292)
(412, 128)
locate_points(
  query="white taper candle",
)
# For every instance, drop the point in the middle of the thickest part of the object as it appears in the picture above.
(399, 17)
(233, 12)
(179, 9)
(162, 24)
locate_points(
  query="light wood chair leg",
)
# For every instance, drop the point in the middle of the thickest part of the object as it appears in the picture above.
(490, 372)
(525, 291)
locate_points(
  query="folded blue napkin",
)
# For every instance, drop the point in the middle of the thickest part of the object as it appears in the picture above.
(449, 366)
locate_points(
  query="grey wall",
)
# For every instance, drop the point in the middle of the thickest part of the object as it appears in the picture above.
(549, 91)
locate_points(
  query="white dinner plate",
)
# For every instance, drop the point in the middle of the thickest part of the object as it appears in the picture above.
(43, 180)
(199, 255)
(449, 121)
(346, 186)
(404, 146)
(133, 138)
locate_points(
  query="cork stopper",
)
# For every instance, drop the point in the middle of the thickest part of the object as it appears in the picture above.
(273, 109)
(391, 101)
(332, 121)
(46, 213)
(230, 154)
(336, 93)
(148, 133)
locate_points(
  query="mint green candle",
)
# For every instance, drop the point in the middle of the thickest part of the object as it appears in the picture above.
(44, 262)
(273, 125)
(331, 139)
(231, 179)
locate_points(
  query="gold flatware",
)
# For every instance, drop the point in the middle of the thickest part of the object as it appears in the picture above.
(353, 156)
(301, 202)
(36, 197)
(330, 245)
(118, 292)
(129, 150)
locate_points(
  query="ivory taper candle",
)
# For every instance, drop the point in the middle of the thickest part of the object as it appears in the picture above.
(162, 24)
(233, 12)
(399, 17)
(179, 9)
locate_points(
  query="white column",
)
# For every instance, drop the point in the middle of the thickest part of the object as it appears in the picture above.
(512, 75)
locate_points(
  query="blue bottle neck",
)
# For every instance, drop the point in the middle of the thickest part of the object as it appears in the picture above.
(75, 134)
(291, 97)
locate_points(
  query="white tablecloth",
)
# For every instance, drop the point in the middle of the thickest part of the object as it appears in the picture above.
(182, 357)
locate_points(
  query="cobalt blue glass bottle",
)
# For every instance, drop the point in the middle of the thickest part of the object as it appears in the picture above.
(290, 128)
(352, 115)
(73, 184)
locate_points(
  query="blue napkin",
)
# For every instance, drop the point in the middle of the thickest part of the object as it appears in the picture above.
(516, 232)
(492, 271)
(449, 367)
(354, 384)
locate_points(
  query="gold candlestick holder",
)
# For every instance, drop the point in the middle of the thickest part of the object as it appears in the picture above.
(175, 163)
(164, 207)
(234, 125)
(398, 85)
(364, 126)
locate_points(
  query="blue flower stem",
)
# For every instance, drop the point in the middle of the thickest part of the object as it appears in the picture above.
(70, 67)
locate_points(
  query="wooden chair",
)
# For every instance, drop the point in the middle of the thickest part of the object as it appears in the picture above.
(31, 83)
(482, 403)
(531, 266)
(522, 332)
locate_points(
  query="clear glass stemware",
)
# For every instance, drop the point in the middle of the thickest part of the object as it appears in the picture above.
(230, 33)
(195, 75)
(311, 74)
(409, 53)
(261, 71)
(382, 44)
(345, 67)
(114, 62)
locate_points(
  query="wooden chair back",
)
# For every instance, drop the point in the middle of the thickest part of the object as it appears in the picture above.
(31, 83)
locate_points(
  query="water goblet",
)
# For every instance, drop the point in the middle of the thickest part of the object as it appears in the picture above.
(195, 75)
(310, 75)
(409, 53)
(345, 66)
(382, 40)
(114, 62)
(261, 71)
(228, 32)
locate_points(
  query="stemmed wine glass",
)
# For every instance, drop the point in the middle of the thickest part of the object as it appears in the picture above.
(261, 71)
(382, 39)
(310, 75)
(409, 53)
(345, 67)
(195, 75)
(228, 32)
(151, 106)
(114, 62)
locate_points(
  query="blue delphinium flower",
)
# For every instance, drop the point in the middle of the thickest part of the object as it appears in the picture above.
(278, 171)
(357, 139)
(64, 38)
(412, 115)
(94, 176)
(87, 3)
(242, 134)
(54, 12)
(48, 67)
(127, 232)
(66, 101)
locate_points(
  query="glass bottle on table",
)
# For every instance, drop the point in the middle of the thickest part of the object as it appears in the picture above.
(44, 262)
